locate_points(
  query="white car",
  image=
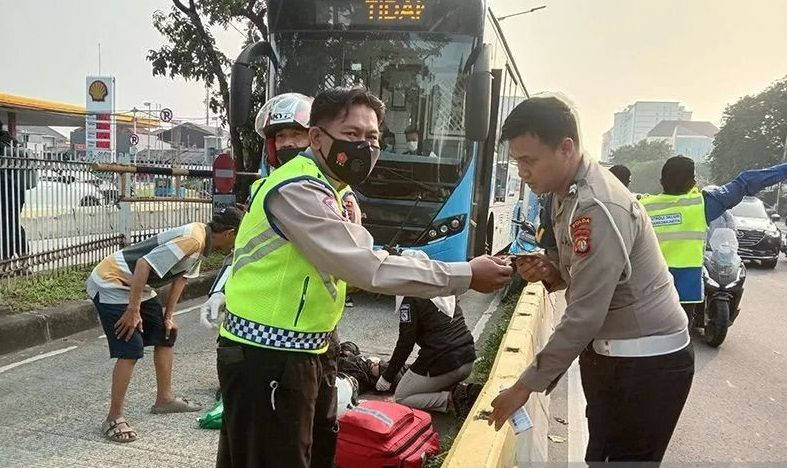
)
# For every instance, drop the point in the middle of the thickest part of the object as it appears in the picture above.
(61, 190)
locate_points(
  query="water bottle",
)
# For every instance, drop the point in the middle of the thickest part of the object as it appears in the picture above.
(520, 420)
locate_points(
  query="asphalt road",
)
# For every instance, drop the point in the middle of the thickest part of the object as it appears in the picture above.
(54, 397)
(737, 408)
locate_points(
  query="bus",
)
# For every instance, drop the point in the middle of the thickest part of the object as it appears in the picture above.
(443, 183)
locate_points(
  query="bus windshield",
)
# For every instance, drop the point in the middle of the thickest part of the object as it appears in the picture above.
(420, 78)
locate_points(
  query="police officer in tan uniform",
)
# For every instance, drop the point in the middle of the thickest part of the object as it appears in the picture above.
(623, 318)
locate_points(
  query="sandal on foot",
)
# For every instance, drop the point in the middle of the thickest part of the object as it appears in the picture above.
(177, 405)
(118, 430)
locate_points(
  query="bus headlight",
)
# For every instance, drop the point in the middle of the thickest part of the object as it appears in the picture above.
(444, 227)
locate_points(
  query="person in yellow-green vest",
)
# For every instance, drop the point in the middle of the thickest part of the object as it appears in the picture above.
(681, 215)
(283, 121)
(294, 252)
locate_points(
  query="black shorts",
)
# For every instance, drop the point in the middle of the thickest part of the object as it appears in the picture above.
(152, 325)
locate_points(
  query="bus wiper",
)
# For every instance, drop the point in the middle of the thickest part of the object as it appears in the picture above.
(418, 183)
(391, 246)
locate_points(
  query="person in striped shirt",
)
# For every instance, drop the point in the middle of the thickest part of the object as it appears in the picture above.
(122, 289)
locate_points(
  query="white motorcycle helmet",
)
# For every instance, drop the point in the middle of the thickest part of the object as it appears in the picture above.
(289, 110)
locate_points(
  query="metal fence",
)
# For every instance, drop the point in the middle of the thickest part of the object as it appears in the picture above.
(57, 214)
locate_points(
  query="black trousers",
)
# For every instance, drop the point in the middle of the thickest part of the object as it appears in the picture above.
(633, 404)
(325, 428)
(271, 403)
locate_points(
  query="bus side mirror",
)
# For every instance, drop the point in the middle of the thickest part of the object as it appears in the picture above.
(478, 97)
(241, 78)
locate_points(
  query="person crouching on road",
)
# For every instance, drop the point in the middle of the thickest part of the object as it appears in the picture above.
(121, 287)
(445, 358)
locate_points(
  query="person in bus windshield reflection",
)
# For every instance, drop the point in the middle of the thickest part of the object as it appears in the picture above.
(412, 136)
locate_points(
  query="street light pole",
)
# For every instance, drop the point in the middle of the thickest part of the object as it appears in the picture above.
(521, 13)
(148, 149)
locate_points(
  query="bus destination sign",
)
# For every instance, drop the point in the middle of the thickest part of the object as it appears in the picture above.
(395, 11)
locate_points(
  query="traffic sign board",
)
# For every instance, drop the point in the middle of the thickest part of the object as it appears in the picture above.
(166, 114)
(133, 139)
(223, 174)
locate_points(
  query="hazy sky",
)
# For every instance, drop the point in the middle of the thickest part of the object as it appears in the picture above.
(604, 54)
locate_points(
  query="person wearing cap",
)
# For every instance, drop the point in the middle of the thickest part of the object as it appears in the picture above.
(622, 319)
(682, 214)
(122, 289)
(296, 249)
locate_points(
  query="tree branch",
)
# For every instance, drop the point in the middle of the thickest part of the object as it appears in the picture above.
(181, 6)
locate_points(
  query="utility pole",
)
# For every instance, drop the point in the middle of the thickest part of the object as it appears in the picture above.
(207, 105)
(148, 150)
(134, 111)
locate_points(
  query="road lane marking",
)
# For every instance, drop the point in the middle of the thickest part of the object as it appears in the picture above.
(481, 324)
(189, 309)
(36, 358)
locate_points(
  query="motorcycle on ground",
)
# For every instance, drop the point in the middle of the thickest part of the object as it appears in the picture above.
(723, 274)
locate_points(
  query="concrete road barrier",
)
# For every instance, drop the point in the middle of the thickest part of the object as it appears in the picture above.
(477, 444)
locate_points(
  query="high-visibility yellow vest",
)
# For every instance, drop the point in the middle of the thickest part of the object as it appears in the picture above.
(275, 297)
(680, 225)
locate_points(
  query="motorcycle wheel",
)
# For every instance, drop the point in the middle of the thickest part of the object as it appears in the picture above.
(717, 322)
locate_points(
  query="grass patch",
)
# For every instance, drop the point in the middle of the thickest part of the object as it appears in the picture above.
(43, 290)
(483, 365)
(481, 370)
(50, 289)
(212, 262)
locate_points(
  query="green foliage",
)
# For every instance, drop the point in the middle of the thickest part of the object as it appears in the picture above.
(43, 290)
(190, 52)
(752, 134)
(642, 152)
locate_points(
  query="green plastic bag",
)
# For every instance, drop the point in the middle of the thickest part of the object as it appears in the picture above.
(211, 419)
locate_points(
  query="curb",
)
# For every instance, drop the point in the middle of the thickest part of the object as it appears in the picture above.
(477, 444)
(27, 329)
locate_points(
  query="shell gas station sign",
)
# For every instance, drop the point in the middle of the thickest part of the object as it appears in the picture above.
(100, 118)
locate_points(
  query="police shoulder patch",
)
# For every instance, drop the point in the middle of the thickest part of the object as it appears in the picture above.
(330, 202)
(404, 314)
(580, 234)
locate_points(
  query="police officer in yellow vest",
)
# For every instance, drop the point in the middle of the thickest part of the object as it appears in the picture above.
(283, 121)
(285, 294)
(681, 215)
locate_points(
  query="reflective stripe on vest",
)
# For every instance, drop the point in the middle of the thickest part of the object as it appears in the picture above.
(275, 297)
(680, 226)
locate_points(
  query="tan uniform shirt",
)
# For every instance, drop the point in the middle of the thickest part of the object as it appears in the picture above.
(307, 214)
(591, 263)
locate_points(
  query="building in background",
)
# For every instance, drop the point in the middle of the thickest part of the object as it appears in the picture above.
(606, 145)
(41, 138)
(189, 135)
(633, 123)
(693, 139)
